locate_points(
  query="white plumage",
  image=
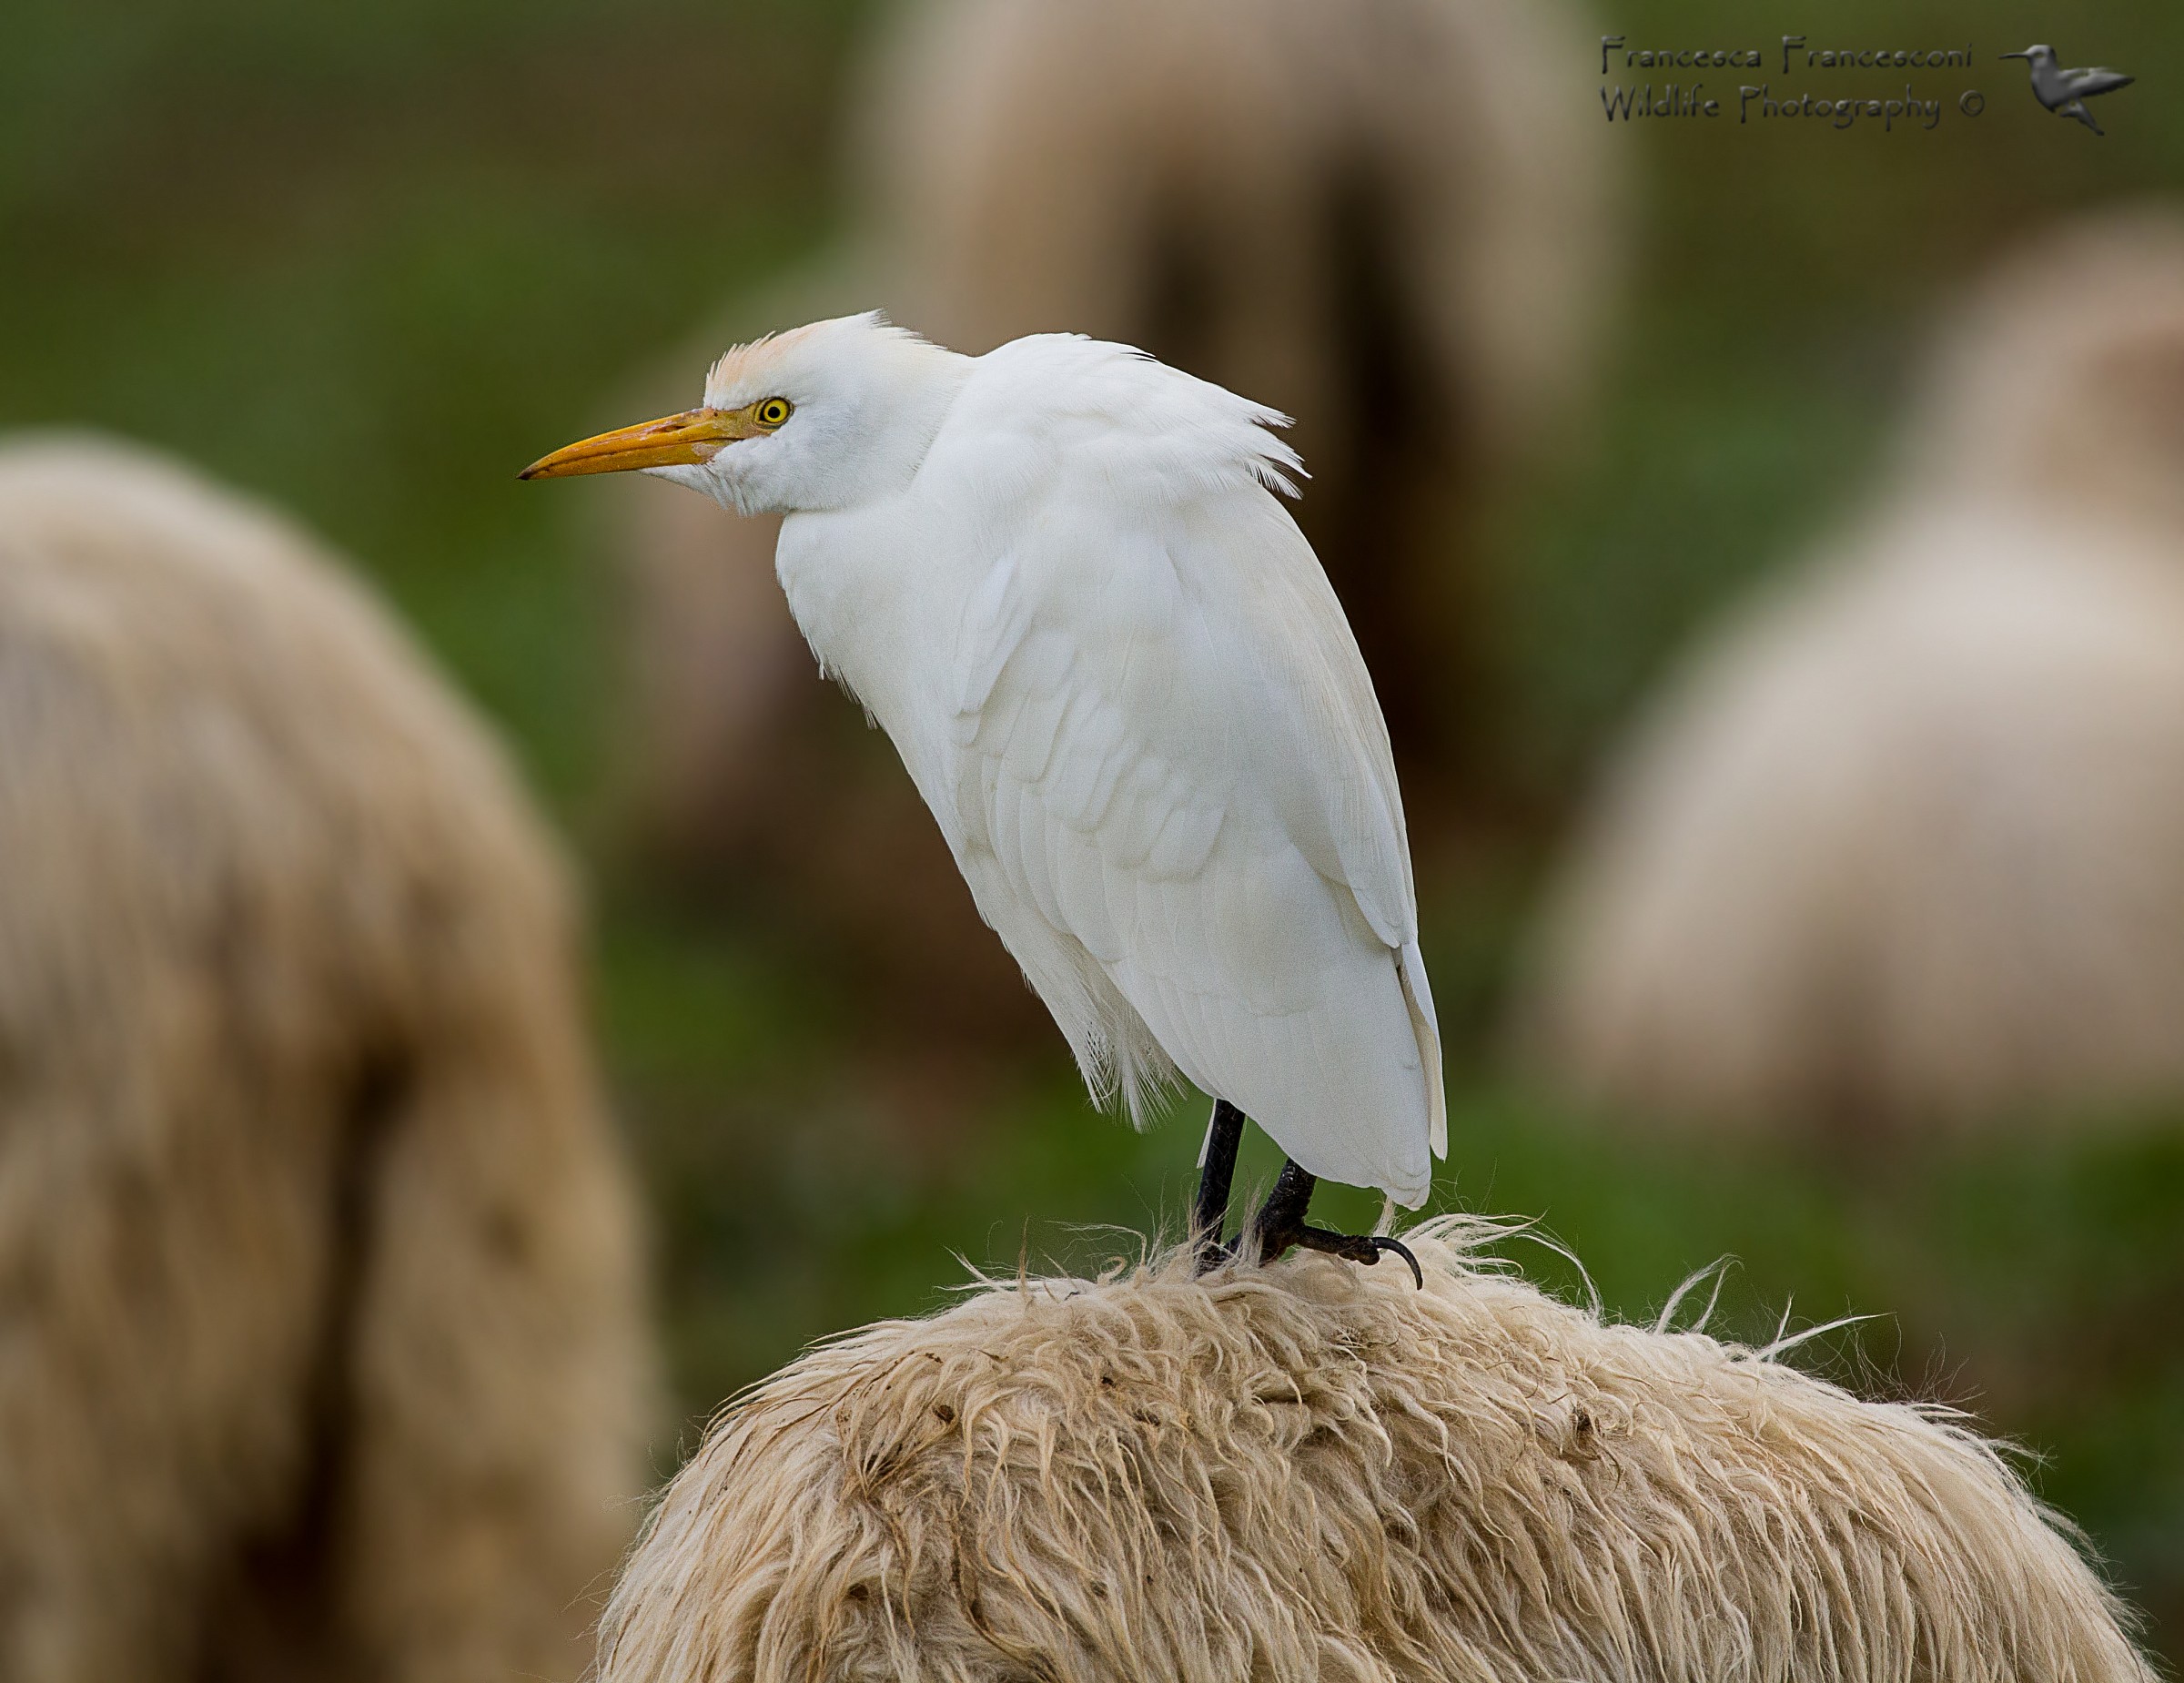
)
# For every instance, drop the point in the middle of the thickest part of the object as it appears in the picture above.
(1059, 575)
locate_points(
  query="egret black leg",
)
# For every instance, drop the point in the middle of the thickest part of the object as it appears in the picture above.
(1209, 1211)
(1281, 1224)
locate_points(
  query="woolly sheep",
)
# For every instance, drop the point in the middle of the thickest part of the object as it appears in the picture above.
(321, 1346)
(1314, 1472)
(1906, 845)
(1380, 217)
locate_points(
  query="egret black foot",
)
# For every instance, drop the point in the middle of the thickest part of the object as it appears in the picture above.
(1281, 1224)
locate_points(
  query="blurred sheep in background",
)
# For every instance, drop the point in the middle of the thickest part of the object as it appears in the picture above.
(1311, 1473)
(1380, 217)
(322, 1350)
(1906, 843)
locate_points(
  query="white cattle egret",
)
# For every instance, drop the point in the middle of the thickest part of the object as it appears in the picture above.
(1059, 577)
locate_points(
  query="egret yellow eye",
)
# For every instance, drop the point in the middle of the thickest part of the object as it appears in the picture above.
(771, 413)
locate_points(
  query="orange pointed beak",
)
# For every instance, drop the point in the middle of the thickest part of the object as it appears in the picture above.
(673, 441)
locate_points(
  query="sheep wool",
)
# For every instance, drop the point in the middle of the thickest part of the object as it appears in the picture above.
(1314, 1472)
(322, 1350)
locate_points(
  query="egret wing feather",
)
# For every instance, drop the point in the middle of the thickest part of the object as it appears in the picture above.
(1168, 781)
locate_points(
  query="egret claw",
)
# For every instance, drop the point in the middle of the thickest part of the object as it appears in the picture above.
(1383, 1242)
(1281, 1224)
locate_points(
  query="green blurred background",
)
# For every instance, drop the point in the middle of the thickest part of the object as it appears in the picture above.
(367, 261)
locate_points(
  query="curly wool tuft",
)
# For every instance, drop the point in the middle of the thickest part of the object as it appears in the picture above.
(1314, 1472)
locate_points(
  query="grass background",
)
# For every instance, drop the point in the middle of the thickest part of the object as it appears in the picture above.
(366, 260)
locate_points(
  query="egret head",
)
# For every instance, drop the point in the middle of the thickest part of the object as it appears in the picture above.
(821, 417)
(2036, 53)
